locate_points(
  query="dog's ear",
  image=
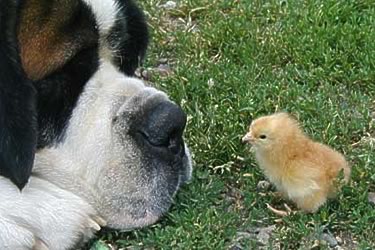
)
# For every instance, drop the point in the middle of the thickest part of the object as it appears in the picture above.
(17, 105)
(130, 52)
(18, 124)
(50, 33)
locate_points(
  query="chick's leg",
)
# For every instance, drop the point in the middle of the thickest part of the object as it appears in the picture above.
(280, 212)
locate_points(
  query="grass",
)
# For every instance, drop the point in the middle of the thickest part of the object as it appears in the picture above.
(233, 61)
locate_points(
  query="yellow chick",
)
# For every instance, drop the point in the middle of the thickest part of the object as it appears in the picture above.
(302, 170)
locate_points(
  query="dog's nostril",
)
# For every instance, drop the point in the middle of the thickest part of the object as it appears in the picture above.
(163, 126)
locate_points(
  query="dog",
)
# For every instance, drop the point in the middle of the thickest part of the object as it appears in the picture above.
(49, 49)
(110, 149)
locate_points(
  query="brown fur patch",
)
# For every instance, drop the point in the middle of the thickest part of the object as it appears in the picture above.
(44, 42)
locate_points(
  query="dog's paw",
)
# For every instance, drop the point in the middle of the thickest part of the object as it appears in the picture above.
(92, 225)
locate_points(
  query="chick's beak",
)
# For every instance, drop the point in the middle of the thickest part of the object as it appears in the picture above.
(247, 138)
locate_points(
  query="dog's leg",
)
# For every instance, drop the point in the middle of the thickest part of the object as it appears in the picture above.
(44, 216)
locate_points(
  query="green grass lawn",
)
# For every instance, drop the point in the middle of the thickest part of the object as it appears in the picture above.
(234, 60)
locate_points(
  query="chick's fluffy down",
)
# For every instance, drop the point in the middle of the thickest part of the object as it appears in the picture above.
(302, 170)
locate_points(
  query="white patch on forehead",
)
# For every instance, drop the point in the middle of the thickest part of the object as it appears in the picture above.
(105, 12)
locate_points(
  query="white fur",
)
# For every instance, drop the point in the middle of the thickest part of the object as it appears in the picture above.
(105, 12)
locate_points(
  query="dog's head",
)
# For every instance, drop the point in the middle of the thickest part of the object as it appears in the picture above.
(124, 140)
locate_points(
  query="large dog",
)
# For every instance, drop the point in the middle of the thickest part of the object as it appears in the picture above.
(111, 149)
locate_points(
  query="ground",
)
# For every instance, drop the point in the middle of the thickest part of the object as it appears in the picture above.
(227, 62)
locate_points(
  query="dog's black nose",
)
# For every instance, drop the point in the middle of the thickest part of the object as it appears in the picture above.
(163, 126)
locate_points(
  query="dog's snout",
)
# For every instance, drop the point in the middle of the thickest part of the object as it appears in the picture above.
(163, 126)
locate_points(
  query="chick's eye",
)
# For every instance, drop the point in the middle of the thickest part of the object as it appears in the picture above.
(262, 136)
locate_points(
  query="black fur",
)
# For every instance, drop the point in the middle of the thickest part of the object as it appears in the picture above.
(129, 37)
(34, 114)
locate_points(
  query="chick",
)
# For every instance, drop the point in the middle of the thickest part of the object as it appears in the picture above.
(302, 170)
